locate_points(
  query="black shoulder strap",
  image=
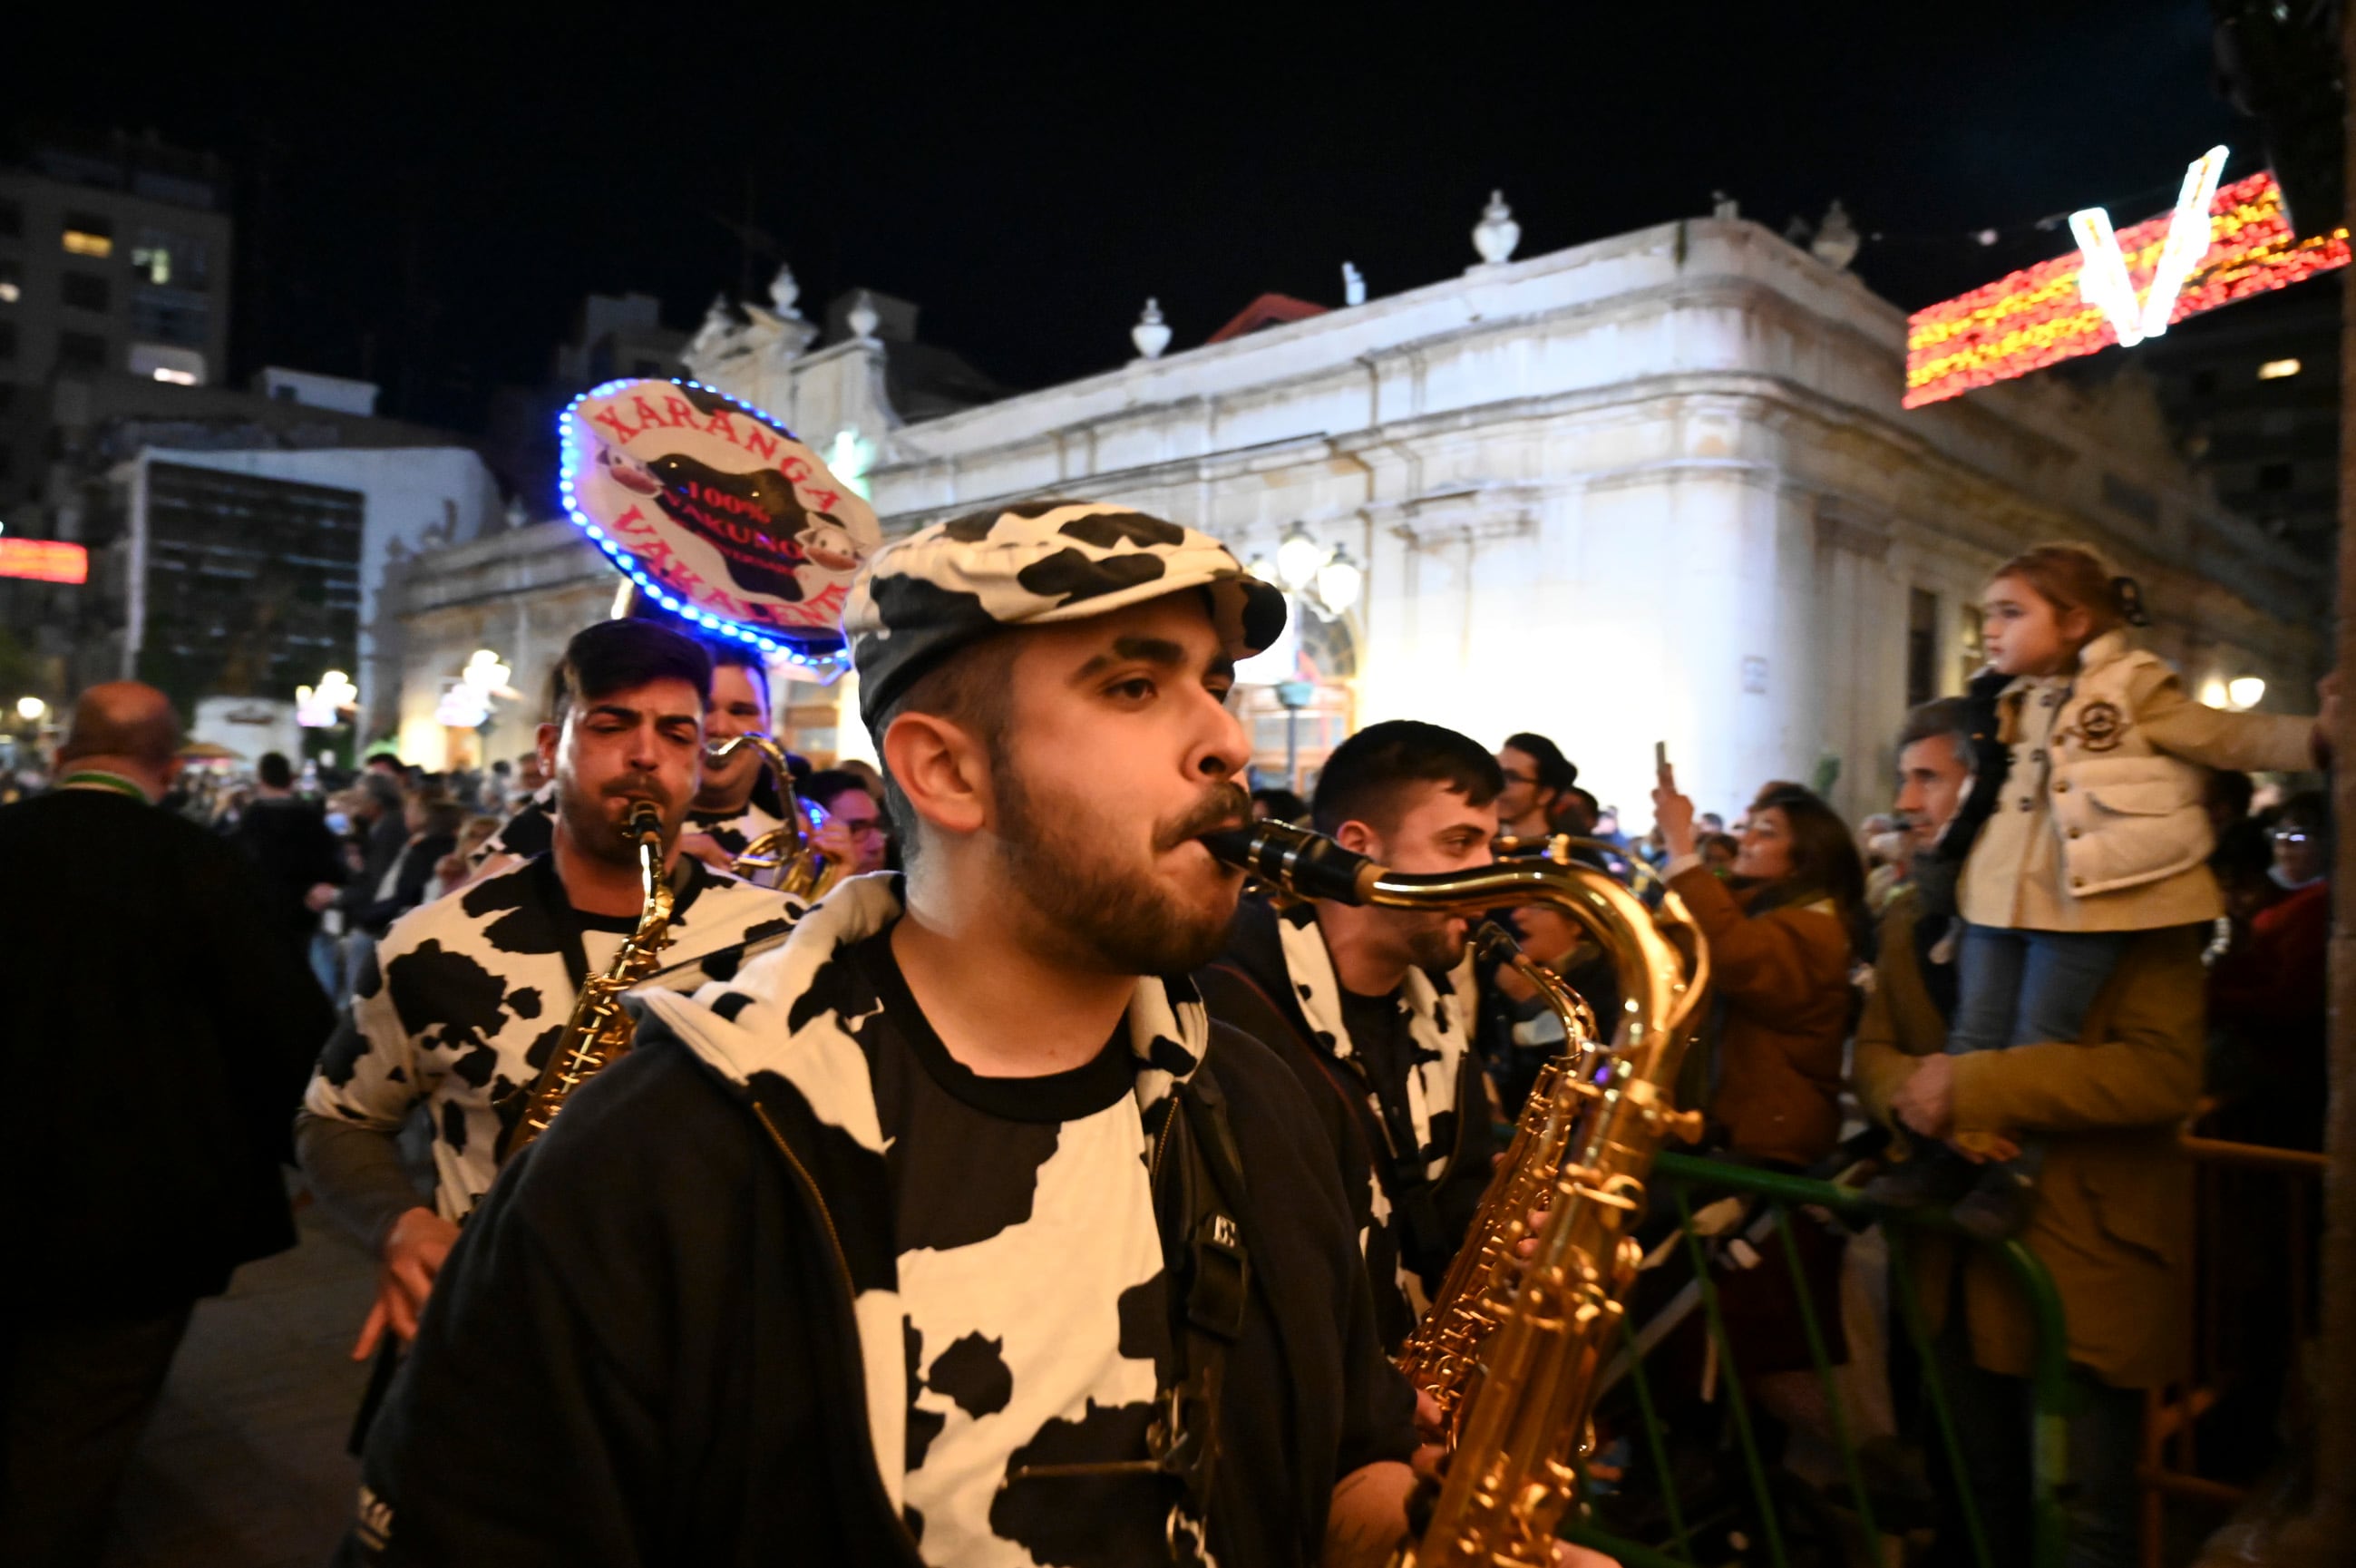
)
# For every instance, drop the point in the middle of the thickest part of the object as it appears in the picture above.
(1205, 1239)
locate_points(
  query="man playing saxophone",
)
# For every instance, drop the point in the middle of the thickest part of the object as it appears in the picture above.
(1368, 1005)
(952, 1230)
(467, 995)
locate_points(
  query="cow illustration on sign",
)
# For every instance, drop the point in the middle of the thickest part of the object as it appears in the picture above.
(718, 504)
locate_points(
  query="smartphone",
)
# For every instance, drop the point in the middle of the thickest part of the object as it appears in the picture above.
(1660, 757)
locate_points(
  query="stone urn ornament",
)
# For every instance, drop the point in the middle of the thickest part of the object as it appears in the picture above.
(862, 318)
(784, 289)
(1151, 333)
(1836, 240)
(1497, 235)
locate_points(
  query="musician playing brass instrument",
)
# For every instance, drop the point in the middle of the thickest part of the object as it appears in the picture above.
(1513, 1348)
(732, 810)
(953, 1231)
(469, 996)
(1372, 1008)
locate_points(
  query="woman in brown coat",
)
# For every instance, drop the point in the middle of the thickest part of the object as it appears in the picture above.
(1781, 950)
(1781, 947)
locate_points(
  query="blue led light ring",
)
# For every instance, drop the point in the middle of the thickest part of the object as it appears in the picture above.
(628, 564)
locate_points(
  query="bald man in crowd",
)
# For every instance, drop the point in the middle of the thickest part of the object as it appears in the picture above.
(157, 1027)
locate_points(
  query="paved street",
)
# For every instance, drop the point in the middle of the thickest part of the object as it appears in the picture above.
(244, 1465)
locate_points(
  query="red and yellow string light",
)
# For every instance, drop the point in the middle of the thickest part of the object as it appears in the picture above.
(2037, 316)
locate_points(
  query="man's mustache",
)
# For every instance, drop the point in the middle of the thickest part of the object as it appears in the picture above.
(1224, 806)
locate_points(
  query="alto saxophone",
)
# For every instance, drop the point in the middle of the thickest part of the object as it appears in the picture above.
(803, 872)
(598, 1031)
(1518, 1348)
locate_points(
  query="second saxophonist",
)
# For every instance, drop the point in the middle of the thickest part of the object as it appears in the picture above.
(1372, 1008)
(466, 995)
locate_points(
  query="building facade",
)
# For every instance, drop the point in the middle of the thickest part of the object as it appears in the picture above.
(237, 541)
(113, 258)
(1654, 488)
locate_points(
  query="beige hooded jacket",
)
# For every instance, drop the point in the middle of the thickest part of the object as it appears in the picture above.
(2100, 826)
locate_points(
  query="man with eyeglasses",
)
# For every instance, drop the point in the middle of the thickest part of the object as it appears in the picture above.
(1538, 776)
(851, 825)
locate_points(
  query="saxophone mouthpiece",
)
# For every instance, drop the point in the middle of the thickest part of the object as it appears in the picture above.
(1309, 864)
(1496, 942)
(643, 817)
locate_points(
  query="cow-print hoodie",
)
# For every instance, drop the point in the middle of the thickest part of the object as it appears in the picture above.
(465, 997)
(696, 1315)
(1276, 983)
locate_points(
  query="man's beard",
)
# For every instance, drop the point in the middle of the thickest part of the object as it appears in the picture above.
(596, 832)
(1439, 945)
(1117, 917)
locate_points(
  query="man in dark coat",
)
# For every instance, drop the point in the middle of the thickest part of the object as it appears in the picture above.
(289, 841)
(159, 1028)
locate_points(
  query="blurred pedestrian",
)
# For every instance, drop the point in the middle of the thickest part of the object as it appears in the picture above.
(159, 1025)
(2267, 993)
(287, 839)
(431, 819)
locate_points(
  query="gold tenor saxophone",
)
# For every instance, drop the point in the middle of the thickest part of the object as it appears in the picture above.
(1521, 1348)
(786, 849)
(599, 1031)
(1443, 1355)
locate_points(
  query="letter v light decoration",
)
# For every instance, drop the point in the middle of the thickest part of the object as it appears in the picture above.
(2104, 281)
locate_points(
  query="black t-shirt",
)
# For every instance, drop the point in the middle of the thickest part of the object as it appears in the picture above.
(1378, 1035)
(1030, 1270)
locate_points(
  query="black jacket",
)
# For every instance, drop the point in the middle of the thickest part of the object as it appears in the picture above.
(1247, 988)
(289, 842)
(155, 1042)
(643, 1348)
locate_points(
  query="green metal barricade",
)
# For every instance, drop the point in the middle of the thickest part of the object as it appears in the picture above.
(1680, 1178)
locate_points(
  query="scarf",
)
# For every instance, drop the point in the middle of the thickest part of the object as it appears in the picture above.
(781, 1017)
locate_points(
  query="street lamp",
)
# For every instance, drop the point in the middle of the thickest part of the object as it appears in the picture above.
(1298, 556)
(30, 709)
(1316, 578)
(485, 673)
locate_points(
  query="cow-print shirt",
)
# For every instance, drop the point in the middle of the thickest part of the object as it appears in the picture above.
(467, 996)
(731, 831)
(1031, 1271)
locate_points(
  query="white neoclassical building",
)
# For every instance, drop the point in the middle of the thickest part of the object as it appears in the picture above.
(1656, 487)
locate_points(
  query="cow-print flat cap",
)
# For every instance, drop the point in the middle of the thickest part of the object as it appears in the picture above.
(921, 597)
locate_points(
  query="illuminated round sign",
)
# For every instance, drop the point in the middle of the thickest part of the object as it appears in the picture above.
(716, 511)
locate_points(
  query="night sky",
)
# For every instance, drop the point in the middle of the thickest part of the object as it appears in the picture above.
(426, 208)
